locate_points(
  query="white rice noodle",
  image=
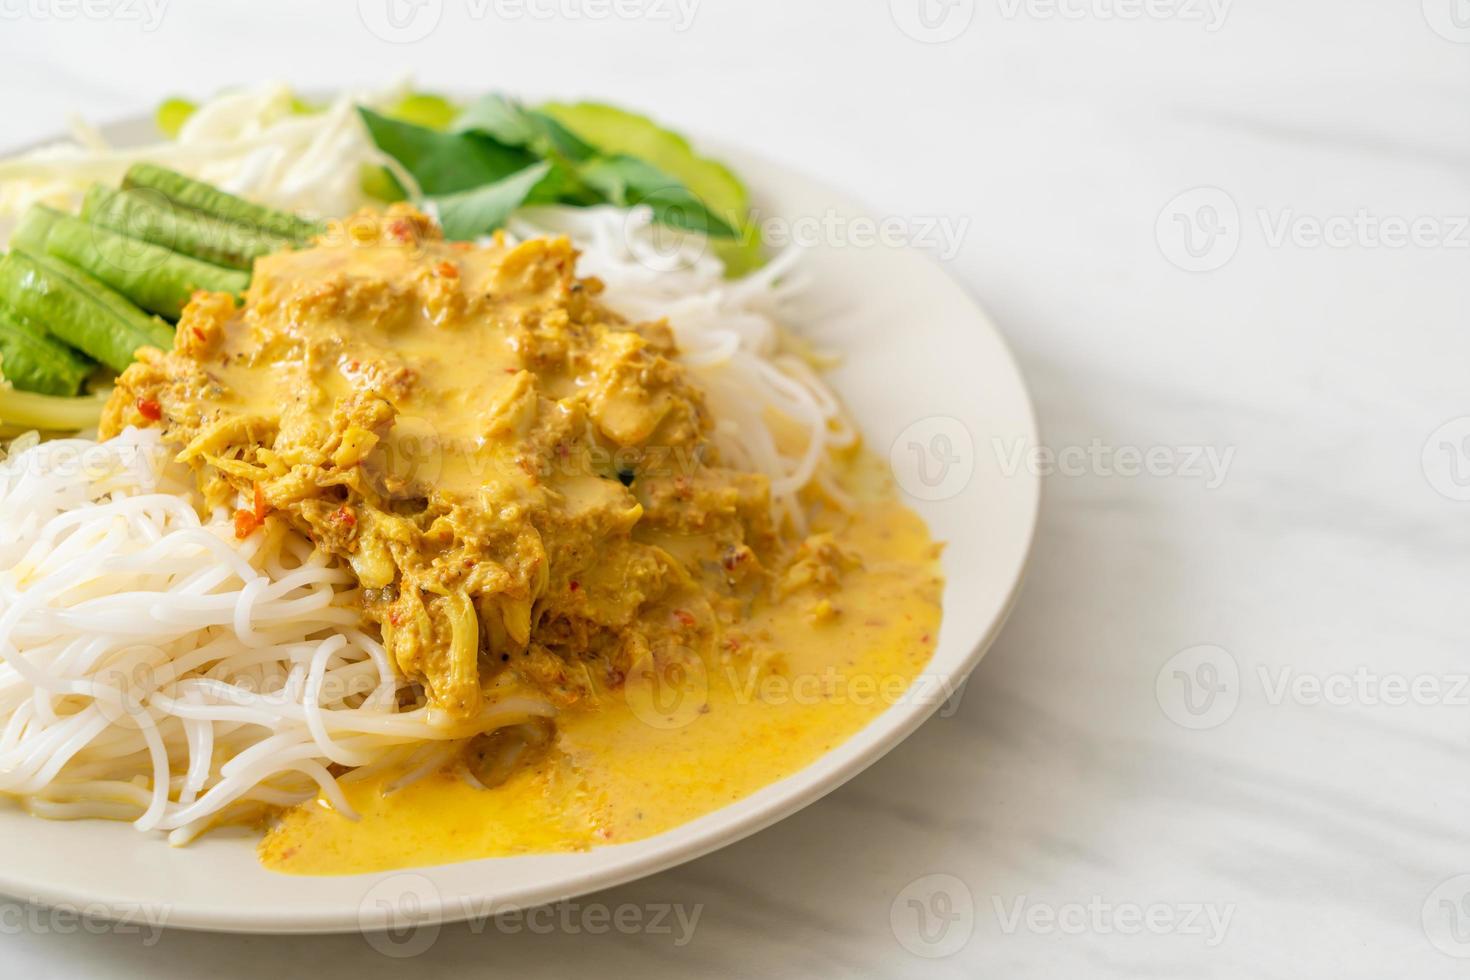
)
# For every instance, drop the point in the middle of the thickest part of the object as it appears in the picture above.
(154, 669)
(775, 414)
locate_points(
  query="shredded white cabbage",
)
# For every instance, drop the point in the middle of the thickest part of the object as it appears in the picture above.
(252, 142)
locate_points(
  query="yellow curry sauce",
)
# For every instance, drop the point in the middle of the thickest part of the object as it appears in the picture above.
(528, 490)
(648, 758)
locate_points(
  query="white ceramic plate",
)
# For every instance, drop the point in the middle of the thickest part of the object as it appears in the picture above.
(927, 376)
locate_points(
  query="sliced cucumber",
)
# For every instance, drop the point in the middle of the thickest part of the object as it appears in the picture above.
(617, 131)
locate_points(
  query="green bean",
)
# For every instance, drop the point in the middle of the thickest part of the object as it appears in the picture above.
(32, 360)
(155, 278)
(79, 310)
(149, 216)
(201, 197)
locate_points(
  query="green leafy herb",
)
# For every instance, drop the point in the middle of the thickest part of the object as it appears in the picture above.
(615, 131)
(498, 155)
(628, 182)
(379, 183)
(470, 214)
(445, 163)
(513, 124)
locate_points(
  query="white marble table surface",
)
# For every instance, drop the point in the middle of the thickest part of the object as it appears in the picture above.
(1298, 545)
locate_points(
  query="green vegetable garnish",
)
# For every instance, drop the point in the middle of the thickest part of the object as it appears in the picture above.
(512, 124)
(172, 115)
(157, 279)
(616, 131)
(78, 310)
(35, 361)
(35, 228)
(444, 163)
(500, 155)
(468, 214)
(627, 181)
(26, 410)
(210, 201)
(380, 184)
(151, 217)
(425, 109)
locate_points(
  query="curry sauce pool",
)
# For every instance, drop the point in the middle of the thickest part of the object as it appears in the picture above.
(789, 685)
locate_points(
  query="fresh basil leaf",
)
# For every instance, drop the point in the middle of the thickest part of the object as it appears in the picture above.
(497, 117)
(512, 124)
(470, 214)
(563, 186)
(627, 182)
(444, 163)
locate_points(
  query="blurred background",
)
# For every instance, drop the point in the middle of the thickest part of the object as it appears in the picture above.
(1225, 731)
